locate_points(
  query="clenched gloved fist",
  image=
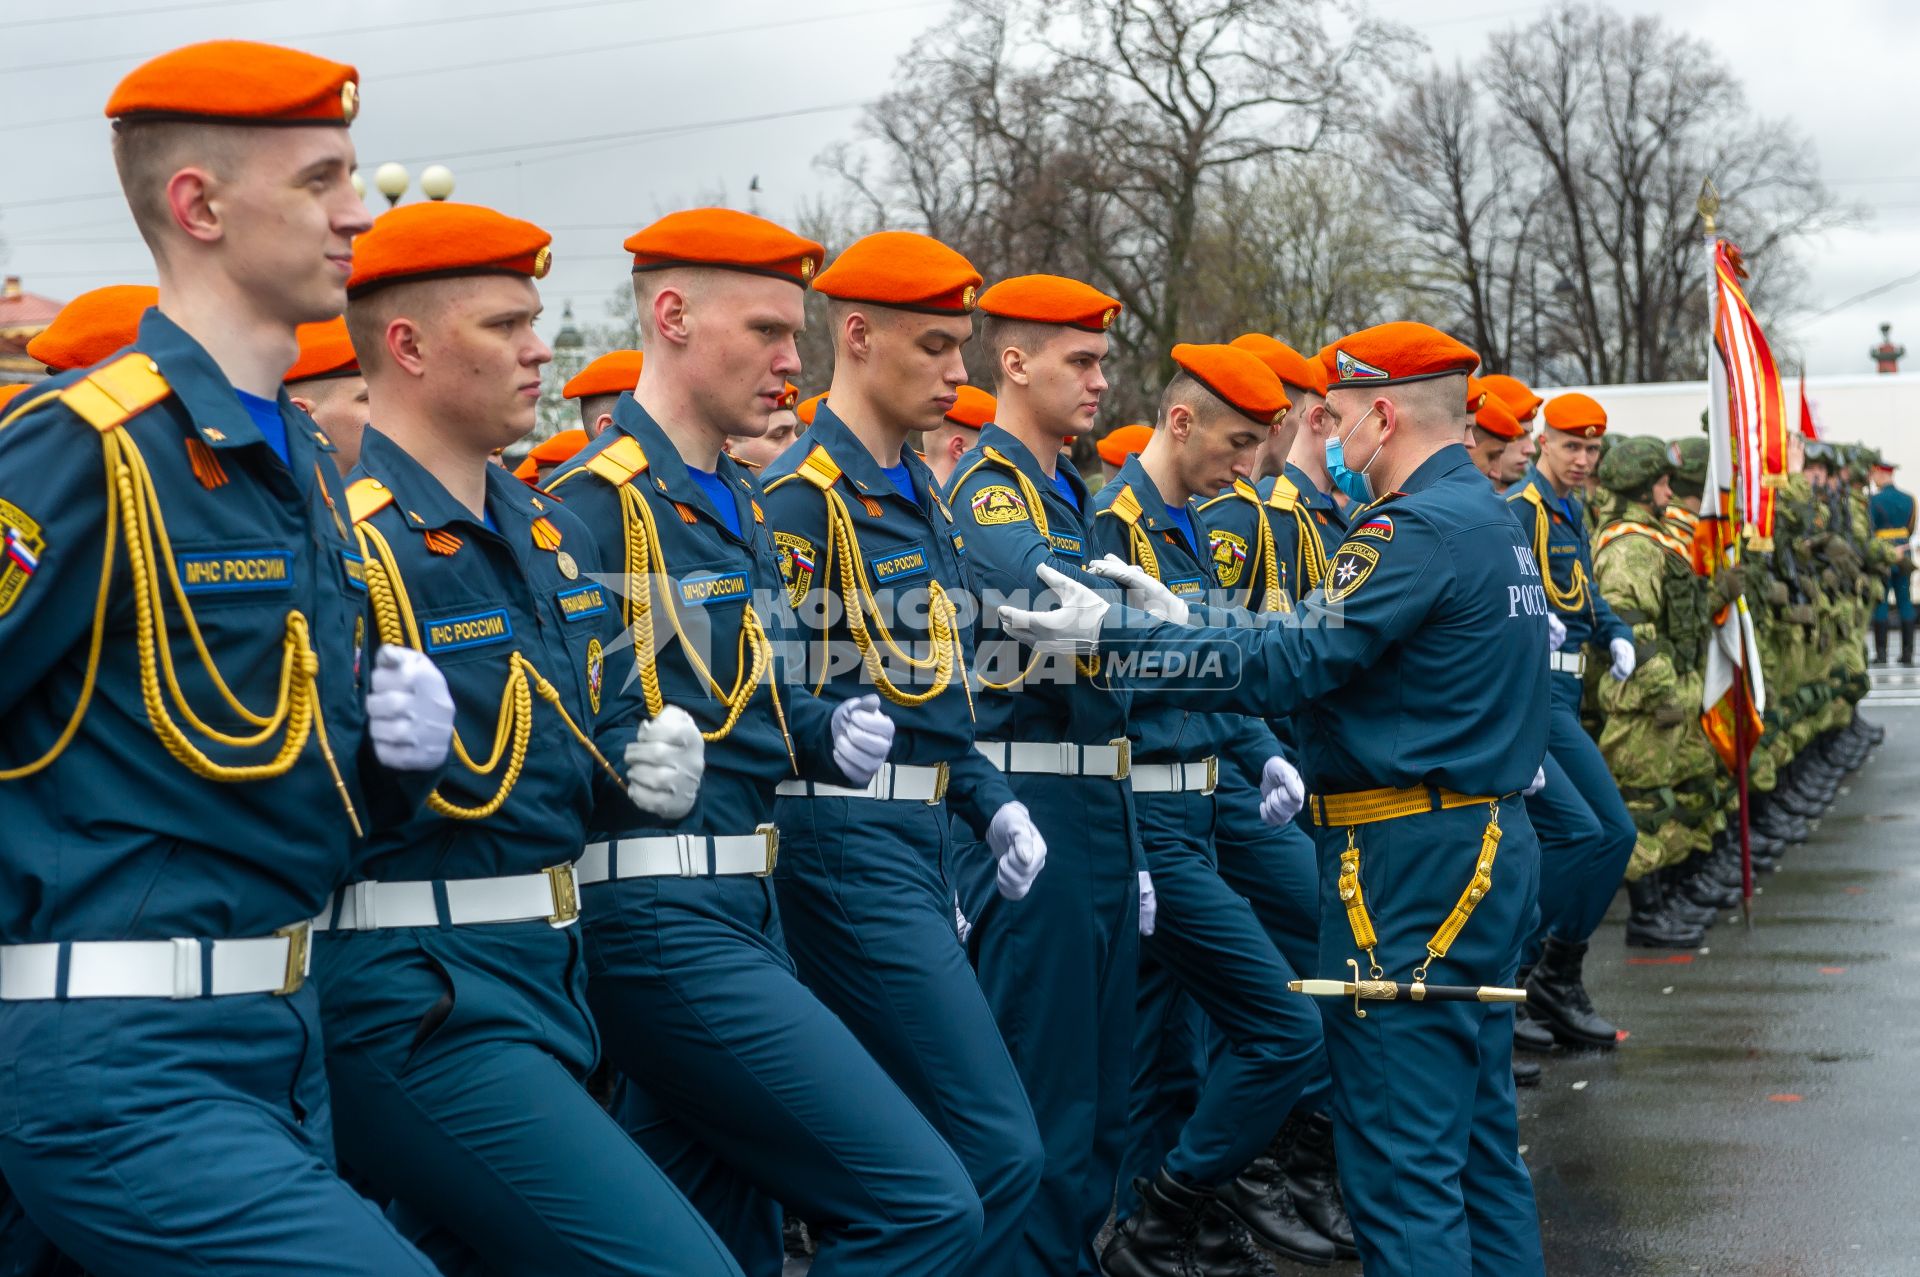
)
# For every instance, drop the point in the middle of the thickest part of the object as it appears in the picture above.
(1556, 631)
(409, 710)
(1149, 903)
(1074, 626)
(1143, 592)
(862, 735)
(1623, 659)
(665, 760)
(1015, 839)
(1282, 792)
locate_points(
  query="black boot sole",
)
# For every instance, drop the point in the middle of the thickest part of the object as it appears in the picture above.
(1287, 1253)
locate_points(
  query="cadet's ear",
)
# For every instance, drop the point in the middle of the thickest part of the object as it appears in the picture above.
(1180, 421)
(1013, 366)
(856, 334)
(598, 425)
(956, 449)
(403, 345)
(670, 315)
(302, 403)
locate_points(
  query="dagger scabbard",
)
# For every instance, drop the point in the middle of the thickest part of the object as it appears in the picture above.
(1395, 991)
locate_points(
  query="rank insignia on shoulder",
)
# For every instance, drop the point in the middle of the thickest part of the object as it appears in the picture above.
(20, 545)
(796, 565)
(1379, 526)
(997, 504)
(1349, 569)
(1229, 557)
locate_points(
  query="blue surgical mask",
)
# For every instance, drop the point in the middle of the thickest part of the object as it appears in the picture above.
(1352, 482)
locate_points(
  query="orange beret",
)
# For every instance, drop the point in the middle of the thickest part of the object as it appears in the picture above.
(528, 471)
(9, 393)
(1237, 377)
(1577, 415)
(973, 408)
(1051, 299)
(1494, 417)
(1328, 365)
(560, 447)
(1522, 402)
(789, 396)
(238, 82)
(727, 240)
(807, 407)
(1476, 394)
(1396, 353)
(1122, 442)
(325, 351)
(613, 372)
(902, 269)
(1289, 365)
(93, 326)
(436, 240)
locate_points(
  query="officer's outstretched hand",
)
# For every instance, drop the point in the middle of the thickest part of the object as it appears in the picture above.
(1623, 659)
(1556, 632)
(1149, 903)
(1282, 792)
(1143, 591)
(862, 735)
(409, 710)
(665, 760)
(1074, 626)
(1015, 839)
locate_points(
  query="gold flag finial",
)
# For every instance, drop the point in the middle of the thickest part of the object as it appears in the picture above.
(1709, 205)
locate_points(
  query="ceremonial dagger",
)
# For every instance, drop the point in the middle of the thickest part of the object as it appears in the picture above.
(1394, 991)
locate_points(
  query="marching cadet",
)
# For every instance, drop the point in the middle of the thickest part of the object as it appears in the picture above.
(1525, 407)
(1427, 858)
(1892, 510)
(1586, 834)
(1269, 547)
(1059, 966)
(197, 723)
(1119, 444)
(597, 386)
(452, 980)
(1494, 440)
(958, 431)
(325, 382)
(1221, 405)
(738, 1081)
(92, 326)
(783, 427)
(874, 566)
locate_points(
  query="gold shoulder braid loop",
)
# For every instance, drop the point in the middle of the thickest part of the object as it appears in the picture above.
(1089, 666)
(1574, 598)
(1360, 922)
(134, 514)
(394, 620)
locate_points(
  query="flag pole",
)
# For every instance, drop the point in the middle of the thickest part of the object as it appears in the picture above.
(1709, 207)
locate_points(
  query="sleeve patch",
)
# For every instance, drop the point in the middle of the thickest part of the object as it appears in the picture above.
(1349, 570)
(21, 545)
(1379, 526)
(1229, 557)
(998, 504)
(797, 560)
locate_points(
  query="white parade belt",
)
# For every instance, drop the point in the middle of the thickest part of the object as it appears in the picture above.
(157, 968)
(1112, 761)
(902, 783)
(680, 856)
(377, 906)
(1574, 663)
(1176, 778)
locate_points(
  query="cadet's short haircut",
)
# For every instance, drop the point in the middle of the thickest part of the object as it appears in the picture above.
(997, 334)
(592, 406)
(147, 154)
(1187, 389)
(369, 315)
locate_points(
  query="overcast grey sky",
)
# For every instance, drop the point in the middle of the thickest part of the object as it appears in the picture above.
(593, 116)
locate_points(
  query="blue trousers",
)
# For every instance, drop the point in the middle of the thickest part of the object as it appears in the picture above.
(868, 912)
(1586, 835)
(1900, 588)
(146, 1136)
(748, 1092)
(1058, 969)
(458, 1096)
(1425, 1129)
(1208, 945)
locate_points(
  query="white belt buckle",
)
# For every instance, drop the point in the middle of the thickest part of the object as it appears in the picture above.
(1124, 766)
(299, 956)
(366, 914)
(771, 833)
(939, 784)
(566, 896)
(186, 969)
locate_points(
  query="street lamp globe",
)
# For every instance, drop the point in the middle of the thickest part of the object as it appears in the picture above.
(391, 179)
(436, 181)
(359, 184)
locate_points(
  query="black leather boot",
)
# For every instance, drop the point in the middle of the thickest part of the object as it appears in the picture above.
(1703, 888)
(1557, 995)
(1879, 642)
(1314, 1181)
(1528, 1033)
(1650, 926)
(1161, 1238)
(1906, 643)
(1526, 1073)
(1674, 903)
(1225, 1247)
(1260, 1201)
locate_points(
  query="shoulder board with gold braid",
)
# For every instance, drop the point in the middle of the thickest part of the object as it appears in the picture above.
(115, 393)
(1631, 527)
(1285, 495)
(819, 468)
(1125, 506)
(619, 461)
(366, 498)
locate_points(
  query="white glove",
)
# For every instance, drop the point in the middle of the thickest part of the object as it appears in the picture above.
(1556, 631)
(409, 710)
(862, 735)
(1143, 592)
(1623, 659)
(1074, 626)
(665, 760)
(1149, 903)
(1539, 783)
(1014, 838)
(1282, 792)
(960, 923)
